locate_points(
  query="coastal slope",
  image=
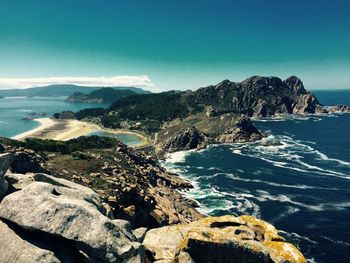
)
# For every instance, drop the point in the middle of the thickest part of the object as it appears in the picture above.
(79, 212)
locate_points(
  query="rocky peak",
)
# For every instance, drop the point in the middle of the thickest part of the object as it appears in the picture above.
(295, 84)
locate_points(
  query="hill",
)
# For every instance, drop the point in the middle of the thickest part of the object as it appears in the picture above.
(253, 97)
(104, 95)
(60, 90)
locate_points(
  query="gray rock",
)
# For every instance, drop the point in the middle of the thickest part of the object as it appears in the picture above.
(16, 250)
(5, 162)
(140, 233)
(58, 209)
(179, 139)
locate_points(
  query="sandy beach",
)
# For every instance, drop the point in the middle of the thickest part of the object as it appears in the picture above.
(63, 130)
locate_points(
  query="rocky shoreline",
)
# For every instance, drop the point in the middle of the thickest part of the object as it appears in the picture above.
(105, 202)
(125, 194)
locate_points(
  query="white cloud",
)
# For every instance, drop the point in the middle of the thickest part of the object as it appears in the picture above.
(136, 81)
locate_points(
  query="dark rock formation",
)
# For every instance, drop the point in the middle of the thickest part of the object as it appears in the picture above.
(5, 162)
(27, 161)
(197, 131)
(179, 138)
(258, 97)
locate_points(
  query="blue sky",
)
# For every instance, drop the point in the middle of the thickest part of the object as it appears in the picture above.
(175, 44)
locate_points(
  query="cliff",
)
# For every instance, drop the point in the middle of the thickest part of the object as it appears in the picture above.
(199, 130)
(104, 95)
(258, 97)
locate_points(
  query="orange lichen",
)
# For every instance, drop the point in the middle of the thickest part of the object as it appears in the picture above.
(282, 251)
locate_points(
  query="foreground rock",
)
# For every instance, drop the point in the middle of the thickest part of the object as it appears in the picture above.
(220, 239)
(197, 131)
(73, 213)
(132, 185)
(16, 249)
(5, 162)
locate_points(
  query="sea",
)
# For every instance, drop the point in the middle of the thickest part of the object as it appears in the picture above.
(297, 178)
(14, 109)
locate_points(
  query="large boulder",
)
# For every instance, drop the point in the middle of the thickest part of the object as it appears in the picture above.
(179, 139)
(15, 249)
(27, 161)
(5, 162)
(70, 211)
(221, 239)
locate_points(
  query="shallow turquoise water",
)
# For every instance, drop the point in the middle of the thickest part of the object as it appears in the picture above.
(128, 139)
(14, 109)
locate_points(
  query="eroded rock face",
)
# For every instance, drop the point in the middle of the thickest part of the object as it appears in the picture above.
(67, 210)
(221, 239)
(197, 131)
(5, 162)
(258, 97)
(179, 139)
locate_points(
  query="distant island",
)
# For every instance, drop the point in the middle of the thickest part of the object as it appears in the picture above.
(60, 90)
(102, 96)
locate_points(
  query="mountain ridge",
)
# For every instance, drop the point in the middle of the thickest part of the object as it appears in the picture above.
(103, 96)
(60, 90)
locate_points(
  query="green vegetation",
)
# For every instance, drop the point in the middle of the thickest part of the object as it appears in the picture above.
(64, 147)
(144, 112)
(110, 95)
(88, 113)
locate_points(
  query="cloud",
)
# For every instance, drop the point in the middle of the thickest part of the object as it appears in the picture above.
(124, 81)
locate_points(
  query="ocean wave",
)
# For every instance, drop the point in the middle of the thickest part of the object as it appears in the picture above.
(25, 110)
(298, 186)
(337, 242)
(177, 157)
(264, 196)
(298, 237)
(285, 152)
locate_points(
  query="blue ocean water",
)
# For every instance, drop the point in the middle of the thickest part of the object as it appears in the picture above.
(298, 178)
(14, 109)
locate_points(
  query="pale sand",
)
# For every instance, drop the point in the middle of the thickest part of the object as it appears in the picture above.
(63, 130)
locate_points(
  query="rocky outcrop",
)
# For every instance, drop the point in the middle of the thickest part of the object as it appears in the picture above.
(220, 239)
(338, 108)
(197, 131)
(27, 161)
(72, 212)
(5, 162)
(257, 97)
(179, 138)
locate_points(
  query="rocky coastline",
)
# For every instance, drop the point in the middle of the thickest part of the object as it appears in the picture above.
(78, 192)
(78, 198)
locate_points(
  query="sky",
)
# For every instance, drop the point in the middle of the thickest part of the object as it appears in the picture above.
(182, 44)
